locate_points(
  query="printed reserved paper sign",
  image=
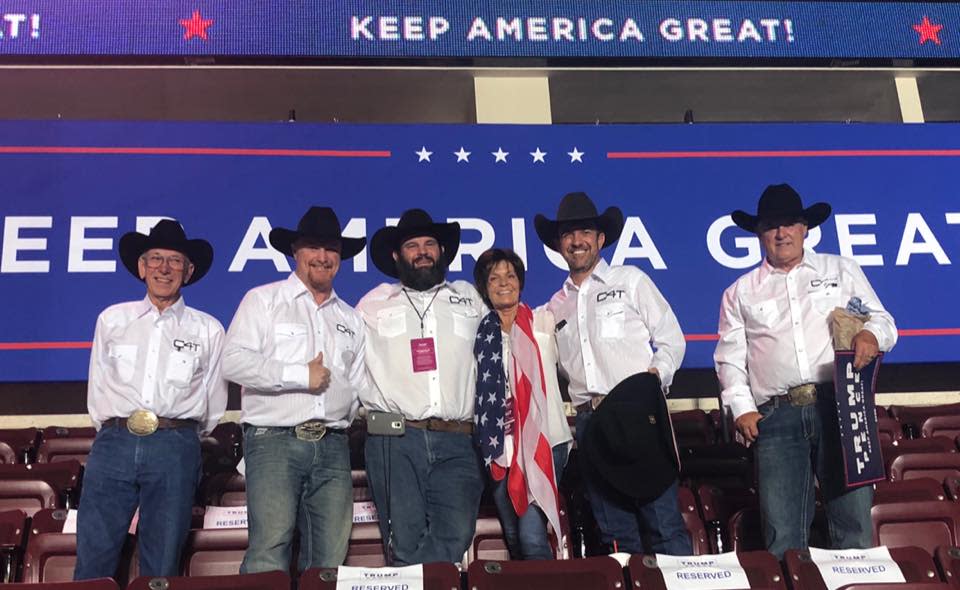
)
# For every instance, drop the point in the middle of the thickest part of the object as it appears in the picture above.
(718, 572)
(380, 578)
(855, 566)
(225, 517)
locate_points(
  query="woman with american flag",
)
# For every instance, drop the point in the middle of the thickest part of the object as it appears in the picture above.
(522, 432)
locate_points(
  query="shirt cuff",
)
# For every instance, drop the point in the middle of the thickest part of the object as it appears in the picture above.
(740, 400)
(295, 377)
(666, 373)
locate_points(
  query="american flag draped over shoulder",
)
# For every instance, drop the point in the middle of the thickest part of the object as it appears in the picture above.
(530, 477)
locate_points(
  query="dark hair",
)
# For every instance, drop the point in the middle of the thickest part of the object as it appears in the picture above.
(485, 264)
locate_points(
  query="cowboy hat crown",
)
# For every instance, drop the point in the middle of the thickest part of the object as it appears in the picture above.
(579, 208)
(779, 203)
(413, 223)
(167, 234)
(319, 224)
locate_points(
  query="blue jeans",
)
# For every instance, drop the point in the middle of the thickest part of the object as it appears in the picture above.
(158, 472)
(435, 483)
(793, 444)
(526, 535)
(623, 522)
(294, 483)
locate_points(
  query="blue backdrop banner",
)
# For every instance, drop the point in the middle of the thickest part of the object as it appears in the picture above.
(502, 28)
(72, 189)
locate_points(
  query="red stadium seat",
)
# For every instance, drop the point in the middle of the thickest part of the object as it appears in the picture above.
(18, 445)
(56, 450)
(717, 505)
(591, 573)
(916, 565)
(214, 552)
(911, 490)
(51, 432)
(693, 428)
(904, 586)
(936, 444)
(98, 584)
(688, 510)
(948, 560)
(948, 426)
(952, 485)
(762, 569)
(889, 430)
(746, 530)
(261, 581)
(366, 546)
(12, 527)
(915, 415)
(361, 487)
(224, 489)
(436, 576)
(936, 466)
(924, 524)
(41, 485)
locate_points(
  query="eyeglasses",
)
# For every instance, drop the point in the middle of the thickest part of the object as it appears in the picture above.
(156, 261)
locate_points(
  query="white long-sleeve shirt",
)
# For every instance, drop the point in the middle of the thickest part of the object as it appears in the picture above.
(615, 324)
(168, 363)
(774, 327)
(276, 331)
(451, 319)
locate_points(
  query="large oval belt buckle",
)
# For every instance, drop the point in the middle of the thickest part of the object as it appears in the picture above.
(143, 422)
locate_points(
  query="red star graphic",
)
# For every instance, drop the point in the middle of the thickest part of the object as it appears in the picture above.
(928, 31)
(196, 26)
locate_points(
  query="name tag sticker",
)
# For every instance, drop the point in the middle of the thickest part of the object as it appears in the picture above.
(380, 578)
(424, 354)
(718, 572)
(841, 567)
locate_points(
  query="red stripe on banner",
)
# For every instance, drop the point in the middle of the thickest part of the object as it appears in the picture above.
(779, 154)
(188, 151)
(930, 332)
(44, 345)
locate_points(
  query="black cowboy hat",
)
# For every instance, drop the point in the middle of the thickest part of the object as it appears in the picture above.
(577, 207)
(319, 224)
(414, 223)
(780, 203)
(168, 235)
(629, 440)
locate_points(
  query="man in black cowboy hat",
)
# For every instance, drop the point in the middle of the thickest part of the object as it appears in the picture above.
(607, 317)
(297, 351)
(154, 386)
(775, 362)
(426, 482)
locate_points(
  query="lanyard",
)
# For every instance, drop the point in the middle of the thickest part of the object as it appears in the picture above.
(425, 310)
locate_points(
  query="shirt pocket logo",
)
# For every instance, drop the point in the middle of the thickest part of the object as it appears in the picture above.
(611, 318)
(392, 322)
(123, 357)
(290, 342)
(180, 368)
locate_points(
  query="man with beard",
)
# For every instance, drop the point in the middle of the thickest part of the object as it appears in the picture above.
(297, 351)
(426, 482)
(607, 318)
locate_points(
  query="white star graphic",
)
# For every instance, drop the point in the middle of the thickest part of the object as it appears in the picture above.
(483, 419)
(494, 442)
(538, 156)
(495, 357)
(424, 154)
(499, 422)
(487, 461)
(489, 338)
(480, 357)
(486, 375)
(576, 155)
(500, 155)
(462, 155)
(492, 397)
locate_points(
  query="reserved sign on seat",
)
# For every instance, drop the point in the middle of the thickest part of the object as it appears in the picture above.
(855, 566)
(718, 572)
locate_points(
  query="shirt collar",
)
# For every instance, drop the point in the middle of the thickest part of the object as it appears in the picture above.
(601, 272)
(295, 288)
(177, 309)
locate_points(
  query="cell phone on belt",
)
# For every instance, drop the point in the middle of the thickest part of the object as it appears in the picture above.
(385, 423)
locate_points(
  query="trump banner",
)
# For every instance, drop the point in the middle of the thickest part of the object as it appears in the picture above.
(71, 189)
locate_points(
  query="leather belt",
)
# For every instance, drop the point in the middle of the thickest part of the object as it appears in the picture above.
(162, 423)
(438, 425)
(804, 394)
(591, 405)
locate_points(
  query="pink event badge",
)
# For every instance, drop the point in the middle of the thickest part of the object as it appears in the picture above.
(424, 354)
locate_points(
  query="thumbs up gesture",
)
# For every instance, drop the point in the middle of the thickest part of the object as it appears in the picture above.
(319, 375)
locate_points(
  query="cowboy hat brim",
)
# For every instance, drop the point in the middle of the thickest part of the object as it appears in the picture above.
(132, 246)
(282, 240)
(388, 240)
(814, 215)
(610, 222)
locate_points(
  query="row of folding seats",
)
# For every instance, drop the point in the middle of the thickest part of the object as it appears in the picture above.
(799, 572)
